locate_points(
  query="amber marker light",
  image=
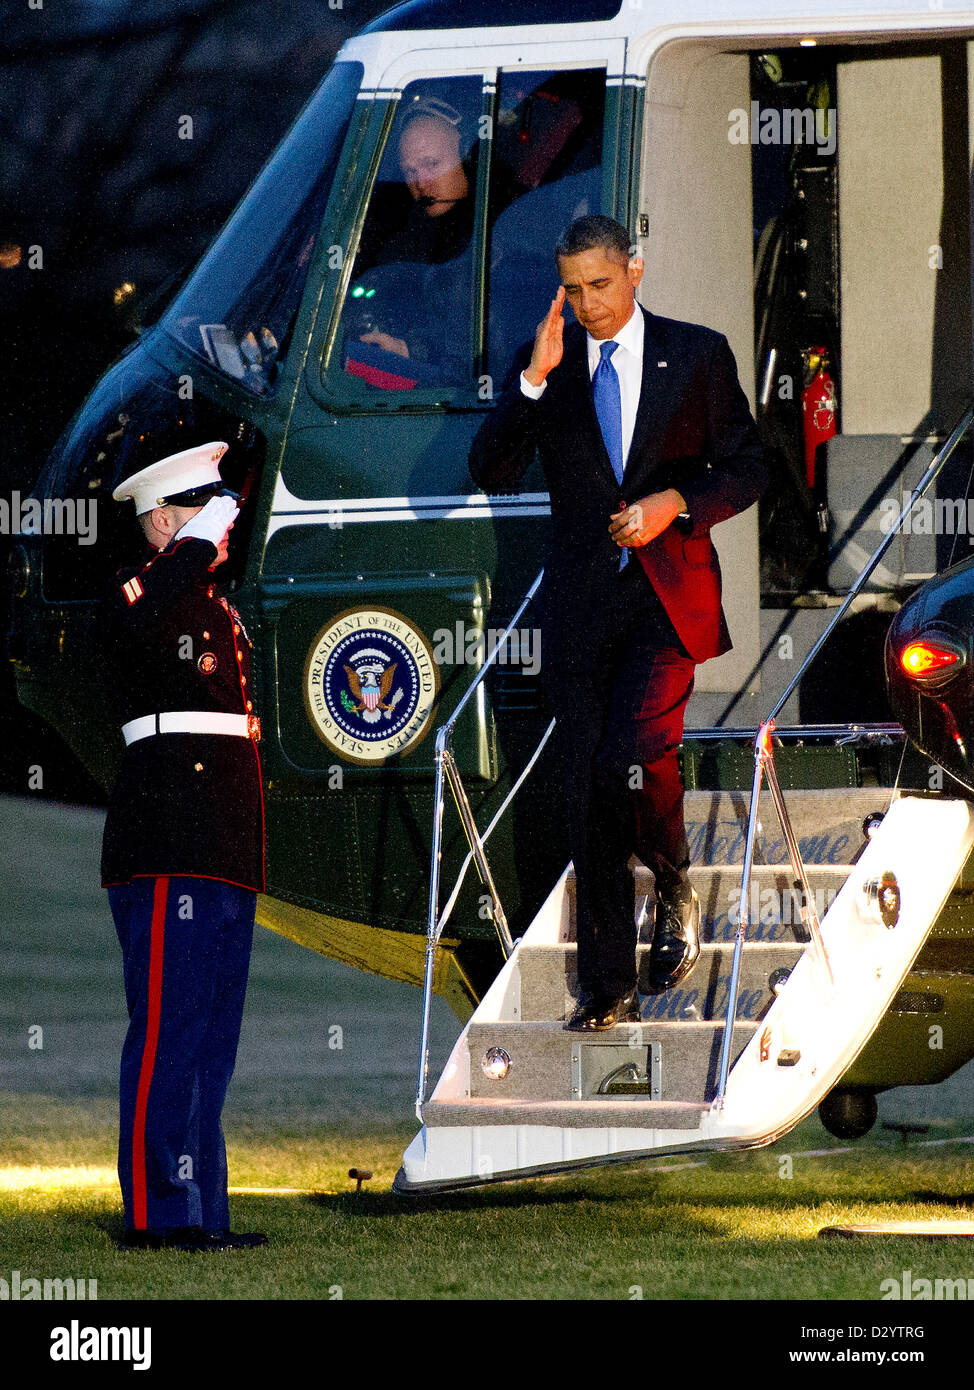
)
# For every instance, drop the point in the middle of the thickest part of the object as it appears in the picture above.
(929, 659)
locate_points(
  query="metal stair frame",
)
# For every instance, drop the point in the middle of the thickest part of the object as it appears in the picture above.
(447, 772)
(764, 764)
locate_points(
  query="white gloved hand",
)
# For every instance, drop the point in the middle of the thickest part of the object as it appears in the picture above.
(212, 522)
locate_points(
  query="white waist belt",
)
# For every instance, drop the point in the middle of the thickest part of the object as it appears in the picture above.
(187, 722)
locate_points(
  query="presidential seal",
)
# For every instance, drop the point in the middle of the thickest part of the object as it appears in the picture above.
(370, 684)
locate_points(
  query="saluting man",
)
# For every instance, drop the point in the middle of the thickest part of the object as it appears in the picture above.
(647, 441)
(183, 852)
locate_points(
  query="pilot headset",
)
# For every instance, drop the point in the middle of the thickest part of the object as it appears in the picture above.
(431, 106)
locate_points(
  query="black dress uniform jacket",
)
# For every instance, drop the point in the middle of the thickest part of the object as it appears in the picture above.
(184, 804)
(693, 432)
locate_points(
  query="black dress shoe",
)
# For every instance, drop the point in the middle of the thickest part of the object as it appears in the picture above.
(676, 938)
(192, 1238)
(596, 1012)
(167, 1237)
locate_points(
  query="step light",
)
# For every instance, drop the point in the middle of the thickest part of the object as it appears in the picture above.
(496, 1063)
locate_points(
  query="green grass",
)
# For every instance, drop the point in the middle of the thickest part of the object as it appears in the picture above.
(301, 1113)
(728, 1227)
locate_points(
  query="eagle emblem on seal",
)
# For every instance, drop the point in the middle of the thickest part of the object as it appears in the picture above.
(370, 685)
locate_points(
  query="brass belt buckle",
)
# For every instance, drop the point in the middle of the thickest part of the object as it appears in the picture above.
(253, 727)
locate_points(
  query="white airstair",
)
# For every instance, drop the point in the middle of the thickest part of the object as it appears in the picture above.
(521, 1095)
(755, 1036)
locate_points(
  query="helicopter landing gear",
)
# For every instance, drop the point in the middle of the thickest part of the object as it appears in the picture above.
(848, 1114)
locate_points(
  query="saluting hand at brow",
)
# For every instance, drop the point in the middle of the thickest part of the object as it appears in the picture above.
(547, 341)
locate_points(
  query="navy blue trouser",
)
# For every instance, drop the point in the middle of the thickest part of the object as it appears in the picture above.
(186, 952)
(618, 732)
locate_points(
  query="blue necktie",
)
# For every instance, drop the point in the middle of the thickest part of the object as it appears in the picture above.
(608, 408)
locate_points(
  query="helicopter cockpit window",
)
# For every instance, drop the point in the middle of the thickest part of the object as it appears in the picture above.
(407, 313)
(239, 306)
(546, 170)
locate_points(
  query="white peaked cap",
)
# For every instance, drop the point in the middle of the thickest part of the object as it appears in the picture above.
(178, 473)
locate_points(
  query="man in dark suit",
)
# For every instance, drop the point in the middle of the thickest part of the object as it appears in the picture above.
(647, 441)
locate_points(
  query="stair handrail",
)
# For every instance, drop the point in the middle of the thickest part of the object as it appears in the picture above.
(446, 770)
(764, 767)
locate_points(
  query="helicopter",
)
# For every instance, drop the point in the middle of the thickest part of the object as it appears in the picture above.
(347, 331)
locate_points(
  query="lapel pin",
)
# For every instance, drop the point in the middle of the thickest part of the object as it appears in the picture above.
(661, 364)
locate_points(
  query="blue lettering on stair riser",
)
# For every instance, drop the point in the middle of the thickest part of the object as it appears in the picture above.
(723, 927)
(678, 1005)
(772, 913)
(722, 842)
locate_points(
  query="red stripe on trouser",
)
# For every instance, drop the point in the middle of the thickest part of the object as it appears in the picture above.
(157, 936)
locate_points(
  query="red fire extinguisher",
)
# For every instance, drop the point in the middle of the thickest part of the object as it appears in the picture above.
(818, 407)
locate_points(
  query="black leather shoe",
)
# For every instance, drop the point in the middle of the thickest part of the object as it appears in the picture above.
(191, 1238)
(676, 939)
(163, 1238)
(596, 1012)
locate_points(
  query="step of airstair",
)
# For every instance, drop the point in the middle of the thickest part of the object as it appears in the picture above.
(667, 1061)
(521, 1095)
(600, 1114)
(827, 824)
(774, 902)
(549, 984)
(663, 1071)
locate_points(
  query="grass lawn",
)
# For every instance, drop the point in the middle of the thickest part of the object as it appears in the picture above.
(727, 1227)
(301, 1112)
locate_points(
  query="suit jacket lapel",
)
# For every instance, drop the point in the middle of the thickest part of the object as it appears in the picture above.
(577, 385)
(655, 386)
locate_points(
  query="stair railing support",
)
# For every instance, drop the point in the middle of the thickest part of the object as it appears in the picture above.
(762, 751)
(447, 771)
(764, 764)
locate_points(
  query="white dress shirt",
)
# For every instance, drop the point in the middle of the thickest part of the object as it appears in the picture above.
(628, 362)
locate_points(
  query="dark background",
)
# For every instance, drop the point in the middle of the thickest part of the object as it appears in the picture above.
(93, 172)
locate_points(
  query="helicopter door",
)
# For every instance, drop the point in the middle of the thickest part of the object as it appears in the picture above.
(694, 230)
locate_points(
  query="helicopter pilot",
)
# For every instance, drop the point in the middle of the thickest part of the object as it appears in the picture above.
(647, 441)
(183, 850)
(421, 270)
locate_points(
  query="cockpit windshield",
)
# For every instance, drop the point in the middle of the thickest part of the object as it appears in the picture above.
(238, 308)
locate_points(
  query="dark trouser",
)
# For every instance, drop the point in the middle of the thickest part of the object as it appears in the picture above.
(618, 731)
(186, 952)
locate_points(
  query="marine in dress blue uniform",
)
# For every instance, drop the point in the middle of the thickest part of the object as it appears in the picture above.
(183, 850)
